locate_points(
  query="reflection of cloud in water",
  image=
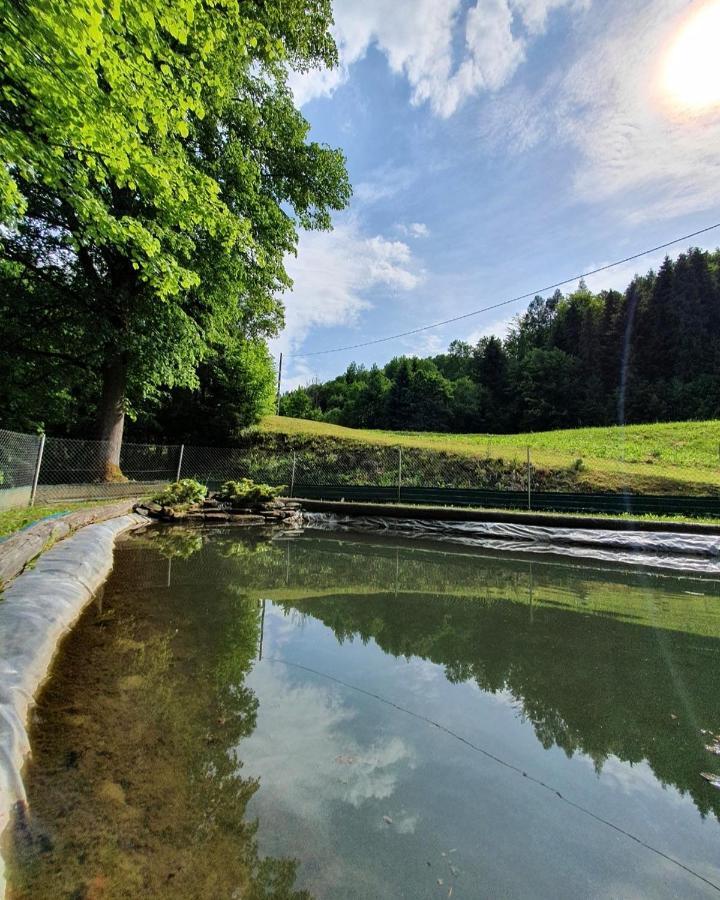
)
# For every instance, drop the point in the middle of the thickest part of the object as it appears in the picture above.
(635, 778)
(406, 823)
(373, 774)
(281, 627)
(306, 756)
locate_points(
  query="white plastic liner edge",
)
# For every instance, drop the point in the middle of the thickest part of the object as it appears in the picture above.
(36, 610)
(657, 549)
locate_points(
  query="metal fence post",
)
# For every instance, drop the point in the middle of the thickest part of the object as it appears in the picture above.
(36, 476)
(179, 468)
(292, 474)
(399, 472)
(528, 479)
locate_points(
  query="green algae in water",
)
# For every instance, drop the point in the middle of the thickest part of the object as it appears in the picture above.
(342, 717)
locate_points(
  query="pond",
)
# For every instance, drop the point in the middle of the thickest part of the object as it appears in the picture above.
(342, 716)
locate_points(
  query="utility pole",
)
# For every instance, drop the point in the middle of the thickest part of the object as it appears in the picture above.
(528, 479)
(180, 460)
(36, 474)
(277, 401)
(399, 489)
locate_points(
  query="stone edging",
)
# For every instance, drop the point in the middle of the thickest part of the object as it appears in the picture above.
(19, 549)
(36, 610)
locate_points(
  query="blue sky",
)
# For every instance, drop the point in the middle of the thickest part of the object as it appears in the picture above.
(496, 146)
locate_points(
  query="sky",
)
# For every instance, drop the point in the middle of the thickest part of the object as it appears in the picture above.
(495, 147)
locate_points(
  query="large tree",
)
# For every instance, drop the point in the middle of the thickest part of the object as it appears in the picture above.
(154, 160)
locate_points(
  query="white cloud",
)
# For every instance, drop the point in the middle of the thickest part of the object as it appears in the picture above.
(414, 229)
(535, 12)
(628, 135)
(332, 275)
(420, 39)
(499, 328)
(426, 343)
(619, 277)
(609, 104)
(389, 262)
(384, 182)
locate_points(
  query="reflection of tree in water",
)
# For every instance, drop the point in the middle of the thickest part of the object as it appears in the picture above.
(178, 542)
(601, 660)
(132, 788)
(605, 663)
(586, 683)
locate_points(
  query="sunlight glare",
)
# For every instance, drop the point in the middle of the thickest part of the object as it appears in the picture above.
(691, 73)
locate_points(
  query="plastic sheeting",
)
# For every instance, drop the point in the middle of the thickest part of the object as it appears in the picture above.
(656, 549)
(38, 608)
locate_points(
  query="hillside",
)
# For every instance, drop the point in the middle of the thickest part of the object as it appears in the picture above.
(676, 457)
(568, 361)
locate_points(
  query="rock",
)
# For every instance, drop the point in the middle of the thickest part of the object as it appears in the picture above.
(110, 791)
(177, 515)
(712, 778)
(247, 520)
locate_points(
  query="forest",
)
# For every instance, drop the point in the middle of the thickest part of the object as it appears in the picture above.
(649, 354)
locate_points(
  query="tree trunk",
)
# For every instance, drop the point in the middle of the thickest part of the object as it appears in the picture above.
(111, 415)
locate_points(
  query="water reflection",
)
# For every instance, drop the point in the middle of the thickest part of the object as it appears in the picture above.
(132, 785)
(319, 669)
(602, 661)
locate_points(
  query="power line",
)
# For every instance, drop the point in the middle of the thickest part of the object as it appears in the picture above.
(529, 294)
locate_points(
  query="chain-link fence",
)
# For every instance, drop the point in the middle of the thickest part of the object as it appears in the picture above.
(18, 464)
(38, 469)
(73, 469)
(215, 465)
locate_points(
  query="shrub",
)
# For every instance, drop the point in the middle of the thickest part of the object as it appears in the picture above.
(247, 492)
(185, 491)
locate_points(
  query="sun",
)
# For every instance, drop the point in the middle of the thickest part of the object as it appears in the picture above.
(691, 70)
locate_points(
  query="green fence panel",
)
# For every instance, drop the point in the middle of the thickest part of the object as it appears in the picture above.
(542, 501)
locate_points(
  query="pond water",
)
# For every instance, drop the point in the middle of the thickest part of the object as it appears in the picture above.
(336, 716)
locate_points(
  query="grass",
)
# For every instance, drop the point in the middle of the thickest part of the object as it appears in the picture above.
(12, 520)
(663, 458)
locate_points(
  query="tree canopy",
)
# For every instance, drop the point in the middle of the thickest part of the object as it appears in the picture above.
(155, 172)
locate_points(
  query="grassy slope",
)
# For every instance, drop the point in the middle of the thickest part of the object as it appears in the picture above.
(14, 519)
(670, 457)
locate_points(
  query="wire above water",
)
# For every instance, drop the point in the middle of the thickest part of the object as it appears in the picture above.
(517, 299)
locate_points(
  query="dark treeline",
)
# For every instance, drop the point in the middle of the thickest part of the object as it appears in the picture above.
(649, 354)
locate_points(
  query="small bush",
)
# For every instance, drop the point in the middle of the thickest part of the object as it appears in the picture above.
(578, 465)
(185, 491)
(247, 492)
